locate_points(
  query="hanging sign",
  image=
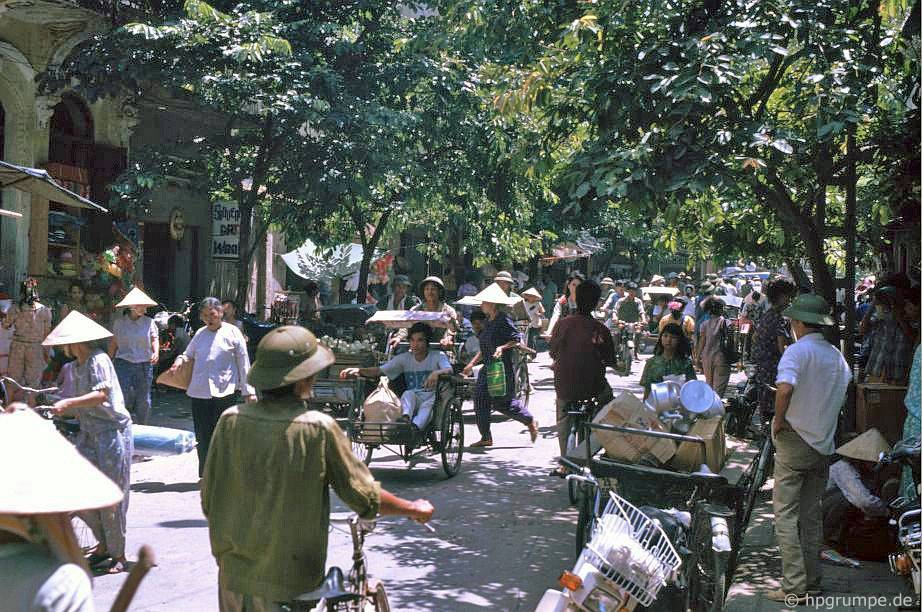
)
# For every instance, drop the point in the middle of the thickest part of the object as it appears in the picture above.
(225, 230)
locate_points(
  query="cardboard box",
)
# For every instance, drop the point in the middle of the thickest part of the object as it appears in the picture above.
(690, 455)
(881, 406)
(628, 411)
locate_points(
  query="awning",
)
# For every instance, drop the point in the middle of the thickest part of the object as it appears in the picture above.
(40, 183)
(311, 262)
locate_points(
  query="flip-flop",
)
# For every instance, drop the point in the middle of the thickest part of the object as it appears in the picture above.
(482, 444)
(113, 567)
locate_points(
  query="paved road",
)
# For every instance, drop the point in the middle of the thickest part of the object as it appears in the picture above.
(504, 530)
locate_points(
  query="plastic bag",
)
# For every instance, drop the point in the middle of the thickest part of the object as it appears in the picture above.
(160, 441)
(382, 404)
(496, 379)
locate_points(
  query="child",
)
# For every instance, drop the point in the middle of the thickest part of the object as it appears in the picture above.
(472, 344)
(421, 369)
(535, 310)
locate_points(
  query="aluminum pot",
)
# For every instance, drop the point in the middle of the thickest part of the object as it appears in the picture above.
(664, 396)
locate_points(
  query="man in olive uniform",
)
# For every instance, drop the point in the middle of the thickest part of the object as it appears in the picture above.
(269, 532)
(629, 309)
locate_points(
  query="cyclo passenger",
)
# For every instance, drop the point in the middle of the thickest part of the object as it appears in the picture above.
(581, 348)
(269, 534)
(433, 291)
(421, 369)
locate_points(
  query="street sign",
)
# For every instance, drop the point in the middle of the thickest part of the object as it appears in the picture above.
(225, 230)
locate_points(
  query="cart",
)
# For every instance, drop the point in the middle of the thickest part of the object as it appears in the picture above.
(719, 505)
(443, 435)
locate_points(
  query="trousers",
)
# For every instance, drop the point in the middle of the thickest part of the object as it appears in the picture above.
(417, 404)
(26, 363)
(484, 405)
(801, 473)
(135, 379)
(109, 450)
(205, 415)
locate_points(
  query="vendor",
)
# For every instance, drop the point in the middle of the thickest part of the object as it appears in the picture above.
(105, 429)
(41, 564)
(433, 291)
(75, 299)
(421, 369)
(852, 486)
(672, 355)
(32, 322)
(135, 349)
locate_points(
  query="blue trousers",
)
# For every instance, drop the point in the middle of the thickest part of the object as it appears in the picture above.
(135, 379)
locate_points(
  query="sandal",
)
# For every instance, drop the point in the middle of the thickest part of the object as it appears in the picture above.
(557, 473)
(113, 567)
(97, 559)
(482, 444)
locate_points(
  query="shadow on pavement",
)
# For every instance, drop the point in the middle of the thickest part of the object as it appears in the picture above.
(162, 487)
(184, 524)
(504, 532)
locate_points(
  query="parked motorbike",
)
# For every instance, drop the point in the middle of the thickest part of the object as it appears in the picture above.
(906, 514)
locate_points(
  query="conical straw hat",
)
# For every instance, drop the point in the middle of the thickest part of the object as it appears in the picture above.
(866, 447)
(76, 328)
(532, 292)
(495, 295)
(44, 473)
(135, 297)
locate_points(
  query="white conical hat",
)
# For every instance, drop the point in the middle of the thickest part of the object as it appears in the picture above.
(76, 328)
(44, 473)
(136, 297)
(532, 292)
(495, 295)
(866, 447)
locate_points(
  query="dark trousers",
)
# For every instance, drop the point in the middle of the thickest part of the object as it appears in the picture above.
(205, 415)
(835, 512)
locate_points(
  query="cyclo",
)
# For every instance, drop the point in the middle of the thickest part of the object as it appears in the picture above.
(443, 434)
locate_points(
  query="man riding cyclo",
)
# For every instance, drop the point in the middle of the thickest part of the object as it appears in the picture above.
(629, 309)
(433, 291)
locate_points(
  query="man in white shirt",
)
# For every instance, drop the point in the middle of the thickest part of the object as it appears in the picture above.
(812, 380)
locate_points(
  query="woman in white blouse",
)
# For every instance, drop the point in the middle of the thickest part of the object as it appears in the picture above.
(220, 365)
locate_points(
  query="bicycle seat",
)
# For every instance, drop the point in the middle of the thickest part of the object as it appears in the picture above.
(331, 590)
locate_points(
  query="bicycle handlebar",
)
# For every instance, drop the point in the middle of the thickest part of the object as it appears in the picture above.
(7, 379)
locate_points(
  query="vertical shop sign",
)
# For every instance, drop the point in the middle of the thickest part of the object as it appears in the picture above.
(225, 230)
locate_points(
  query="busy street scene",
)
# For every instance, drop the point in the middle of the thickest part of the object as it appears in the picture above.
(544, 306)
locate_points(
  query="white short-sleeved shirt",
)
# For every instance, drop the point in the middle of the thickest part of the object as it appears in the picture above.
(820, 376)
(133, 338)
(415, 372)
(31, 579)
(221, 363)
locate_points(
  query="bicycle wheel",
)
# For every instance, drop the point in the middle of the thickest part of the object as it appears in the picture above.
(626, 359)
(362, 451)
(758, 479)
(585, 523)
(85, 538)
(522, 383)
(573, 440)
(378, 598)
(451, 442)
(707, 580)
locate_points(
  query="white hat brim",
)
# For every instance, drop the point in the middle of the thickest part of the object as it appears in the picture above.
(135, 297)
(49, 476)
(494, 294)
(76, 328)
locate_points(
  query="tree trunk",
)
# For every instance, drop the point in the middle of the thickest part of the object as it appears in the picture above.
(851, 236)
(244, 251)
(368, 249)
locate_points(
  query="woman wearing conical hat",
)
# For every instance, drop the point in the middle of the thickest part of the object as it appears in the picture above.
(135, 349)
(497, 340)
(105, 429)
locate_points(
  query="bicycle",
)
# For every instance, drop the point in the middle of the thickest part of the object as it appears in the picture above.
(365, 593)
(579, 412)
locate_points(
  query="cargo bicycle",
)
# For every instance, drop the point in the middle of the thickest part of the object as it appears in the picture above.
(712, 508)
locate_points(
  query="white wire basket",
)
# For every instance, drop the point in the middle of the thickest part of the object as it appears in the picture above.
(632, 550)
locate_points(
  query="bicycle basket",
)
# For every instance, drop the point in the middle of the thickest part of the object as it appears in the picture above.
(632, 550)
